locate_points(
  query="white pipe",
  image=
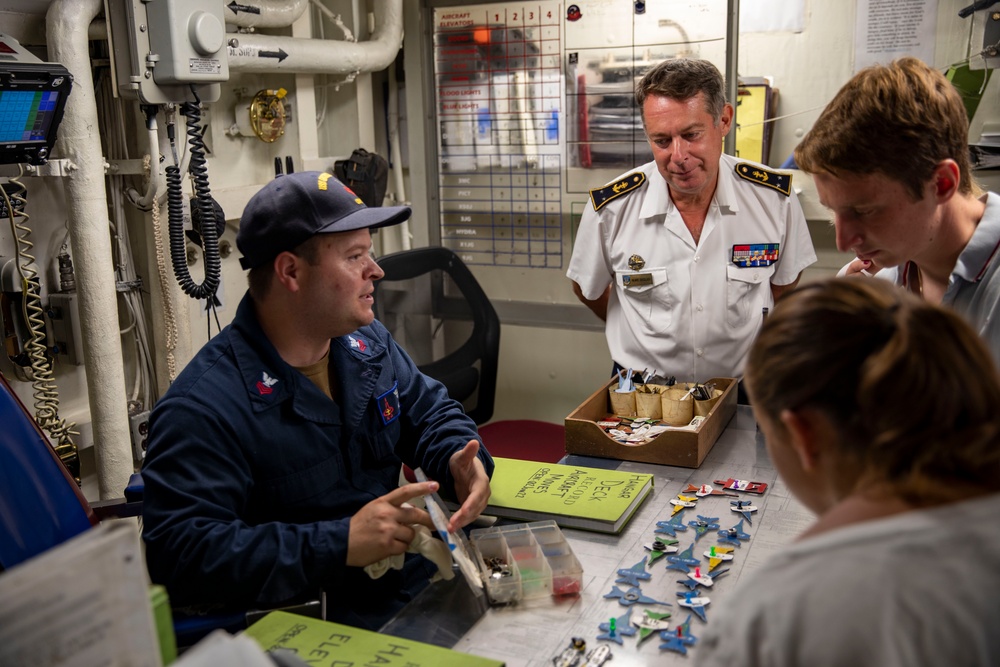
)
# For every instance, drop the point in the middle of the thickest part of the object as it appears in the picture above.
(305, 100)
(66, 26)
(264, 13)
(396, 155)
(153, 185)
(309, 56)
(336, 20)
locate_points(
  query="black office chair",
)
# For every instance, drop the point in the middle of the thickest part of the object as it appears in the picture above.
(428, 292)
(415, 302)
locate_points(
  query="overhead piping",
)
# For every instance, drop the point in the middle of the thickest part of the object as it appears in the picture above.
(264, 13)
(268, 53)
(397, 157)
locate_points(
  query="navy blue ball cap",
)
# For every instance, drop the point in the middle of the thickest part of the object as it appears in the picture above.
(292, 209)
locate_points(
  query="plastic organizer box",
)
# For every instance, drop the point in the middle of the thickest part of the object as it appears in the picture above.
(525, 561)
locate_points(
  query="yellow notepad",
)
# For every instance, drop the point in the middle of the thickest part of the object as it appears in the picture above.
(325, 643)
(572, 496)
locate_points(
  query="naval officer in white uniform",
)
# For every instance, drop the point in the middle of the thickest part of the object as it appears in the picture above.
(681, 256)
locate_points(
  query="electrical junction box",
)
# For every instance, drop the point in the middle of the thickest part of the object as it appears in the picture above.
(189, 36)
(161, 49)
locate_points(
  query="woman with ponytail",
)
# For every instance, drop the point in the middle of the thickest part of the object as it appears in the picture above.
(882, 415)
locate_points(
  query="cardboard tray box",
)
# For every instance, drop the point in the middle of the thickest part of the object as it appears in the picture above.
(686, 449)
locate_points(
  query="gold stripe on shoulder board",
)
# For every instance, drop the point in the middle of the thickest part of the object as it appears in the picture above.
(601, 196)
(769, 179)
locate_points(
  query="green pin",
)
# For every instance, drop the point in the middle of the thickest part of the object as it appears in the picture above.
(711, 552)
(611, 626)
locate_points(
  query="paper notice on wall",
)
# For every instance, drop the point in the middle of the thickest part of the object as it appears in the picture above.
(889, 29)
(772, 15)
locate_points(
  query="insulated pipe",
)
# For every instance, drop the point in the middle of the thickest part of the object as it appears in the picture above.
(266, 53)
(732, 71)
(397, 156)
(66, 26)
(264, 13)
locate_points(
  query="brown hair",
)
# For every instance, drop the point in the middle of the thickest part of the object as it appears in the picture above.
(899, 120)
(910, 387)
(681, 79)
(259, 278)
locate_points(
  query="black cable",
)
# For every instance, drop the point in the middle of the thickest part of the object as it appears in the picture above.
(215, 314)
(202, 200)
(976, 6)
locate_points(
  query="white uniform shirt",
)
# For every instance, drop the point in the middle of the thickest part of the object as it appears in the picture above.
(698, 312)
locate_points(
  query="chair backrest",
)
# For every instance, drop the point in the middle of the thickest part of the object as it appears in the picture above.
(429, 290)
(525, 439)
(40, 504)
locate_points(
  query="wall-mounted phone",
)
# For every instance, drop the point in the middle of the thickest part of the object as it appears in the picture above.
(168, 50)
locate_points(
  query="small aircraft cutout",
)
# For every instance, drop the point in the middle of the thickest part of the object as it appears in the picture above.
(679, 639)
(695, 604)
(660, 548)
(614, 629)
(670, 527)
(734, 535)
(571, 655)
(703, 525)
(651, 622)
(633, 575)
(744, 507)
(683, 561)
(632, 596)
(698, 579)
(681, 502)
(598, 656)
(706, 490)
(743, 485)
(716, 555)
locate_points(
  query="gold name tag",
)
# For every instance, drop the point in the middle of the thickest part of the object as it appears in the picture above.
(637, 279)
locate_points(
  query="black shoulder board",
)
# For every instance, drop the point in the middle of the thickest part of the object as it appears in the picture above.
(770, 179)
(601, 196)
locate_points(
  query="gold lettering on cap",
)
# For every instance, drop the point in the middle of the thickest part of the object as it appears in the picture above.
(321, 181)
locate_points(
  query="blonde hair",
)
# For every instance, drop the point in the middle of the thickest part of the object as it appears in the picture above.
(910, 387)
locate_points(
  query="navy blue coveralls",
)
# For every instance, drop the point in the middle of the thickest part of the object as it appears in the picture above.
(252, 473)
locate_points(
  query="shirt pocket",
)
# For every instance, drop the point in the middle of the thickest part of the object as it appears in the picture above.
(745, 292)
(303, 487)
(648, 298)
(383, 442)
